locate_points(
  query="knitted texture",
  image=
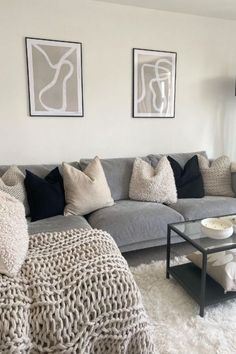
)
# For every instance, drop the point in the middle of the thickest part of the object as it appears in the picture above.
(14, 237)
(217, 176)
(153, 184)
(74, 294)
(12, 182)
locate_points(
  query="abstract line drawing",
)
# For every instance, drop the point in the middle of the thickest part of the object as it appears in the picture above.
(54, 77)
(154, 76)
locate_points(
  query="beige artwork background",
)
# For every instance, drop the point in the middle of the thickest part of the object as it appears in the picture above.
(55, 77)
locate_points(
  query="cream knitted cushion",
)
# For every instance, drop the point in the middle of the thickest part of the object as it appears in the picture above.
(14, 237)
(216, 176)
(153, 184)
(12, 182)
(87, 190)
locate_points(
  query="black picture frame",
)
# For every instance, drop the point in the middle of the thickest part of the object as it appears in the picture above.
(29, 63)
(160, 53)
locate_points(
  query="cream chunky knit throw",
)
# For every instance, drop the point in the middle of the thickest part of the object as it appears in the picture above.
(74, 294)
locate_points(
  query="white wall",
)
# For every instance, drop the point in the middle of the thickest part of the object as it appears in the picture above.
(205, 102)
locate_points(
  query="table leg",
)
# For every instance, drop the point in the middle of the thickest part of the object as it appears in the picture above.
(203, 284)
(168, 252)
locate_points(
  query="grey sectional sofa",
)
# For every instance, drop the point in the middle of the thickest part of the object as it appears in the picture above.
(133, 224)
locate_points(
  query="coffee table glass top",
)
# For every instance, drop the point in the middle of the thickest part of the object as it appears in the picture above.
(191, 231)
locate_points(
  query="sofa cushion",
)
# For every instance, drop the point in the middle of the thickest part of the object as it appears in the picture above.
(216, 176)
(208, 206)
(153, 184)
(39, 170)
(58, 223)
(45, 195)
(188, 180)
(86, 190)
(118, 172)
(131, 222)
(181, 158)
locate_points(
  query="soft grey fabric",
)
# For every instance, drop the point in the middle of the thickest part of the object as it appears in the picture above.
(148, 244)
(131, 222)
(233, 178)
(205, 207)
(181, 158)
(118, 173)
(38, 170)
(58, 223)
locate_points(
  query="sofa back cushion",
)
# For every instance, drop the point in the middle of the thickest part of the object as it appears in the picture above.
(118, 173)
(39, 170)
(181, 158)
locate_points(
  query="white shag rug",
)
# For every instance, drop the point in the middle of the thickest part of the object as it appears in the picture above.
(177, 326)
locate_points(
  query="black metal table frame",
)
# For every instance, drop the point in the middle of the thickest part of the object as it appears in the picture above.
(204, 252)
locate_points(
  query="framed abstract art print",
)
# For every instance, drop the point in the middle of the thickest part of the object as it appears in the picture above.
(55, 80)
(154, 82)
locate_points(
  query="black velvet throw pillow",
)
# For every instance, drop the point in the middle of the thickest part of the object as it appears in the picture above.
(188, 180)
(46, 196)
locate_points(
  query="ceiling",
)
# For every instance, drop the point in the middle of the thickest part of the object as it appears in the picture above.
(225, 9)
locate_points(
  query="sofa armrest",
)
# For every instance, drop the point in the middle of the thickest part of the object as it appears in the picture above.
(233, 176)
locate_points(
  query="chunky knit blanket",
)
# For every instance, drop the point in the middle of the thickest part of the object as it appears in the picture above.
(74, 294)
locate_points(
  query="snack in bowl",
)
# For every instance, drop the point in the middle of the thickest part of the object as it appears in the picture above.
(217, 228)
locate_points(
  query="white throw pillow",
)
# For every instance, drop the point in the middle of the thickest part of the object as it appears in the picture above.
(87, 190)
(12, 182)
(221, 267)
(14, 237)
(216, 176)
(153, 184)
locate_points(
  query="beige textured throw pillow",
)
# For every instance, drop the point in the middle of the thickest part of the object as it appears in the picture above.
(14, 237)
(12, 182)
(153, 184)
(216, 176)
(86, 191)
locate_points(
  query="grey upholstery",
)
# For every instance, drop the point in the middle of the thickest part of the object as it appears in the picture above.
(135, 223)
(118, 173)
(181, 158)
(58, 223)
(39, 170)
(205, 207)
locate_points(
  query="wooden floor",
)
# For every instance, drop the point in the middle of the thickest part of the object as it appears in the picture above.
(148, 255)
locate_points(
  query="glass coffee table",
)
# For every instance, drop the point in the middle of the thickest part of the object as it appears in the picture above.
(200, 286)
